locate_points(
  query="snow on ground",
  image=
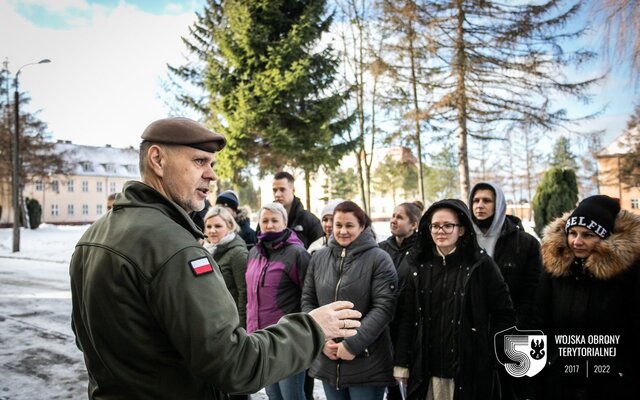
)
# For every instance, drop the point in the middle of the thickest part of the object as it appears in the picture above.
(38, 356)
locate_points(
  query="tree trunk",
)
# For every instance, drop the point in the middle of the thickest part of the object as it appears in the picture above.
(459, 66)
(416, 108)
(307, 189)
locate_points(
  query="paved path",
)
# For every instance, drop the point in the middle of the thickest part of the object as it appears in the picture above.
(38, 355)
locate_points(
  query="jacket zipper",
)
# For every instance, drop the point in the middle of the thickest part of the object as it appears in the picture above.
(341, 270)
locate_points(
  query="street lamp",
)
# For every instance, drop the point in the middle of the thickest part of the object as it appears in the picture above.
(15, 176)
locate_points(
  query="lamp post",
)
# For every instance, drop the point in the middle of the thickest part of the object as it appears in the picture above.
(15, 176)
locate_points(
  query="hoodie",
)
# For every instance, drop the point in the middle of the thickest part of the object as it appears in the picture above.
(487, 240)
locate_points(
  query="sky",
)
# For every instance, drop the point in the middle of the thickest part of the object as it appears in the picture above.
(108, 62)
(105, 82)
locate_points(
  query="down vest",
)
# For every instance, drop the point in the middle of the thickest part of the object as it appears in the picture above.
(363, 274)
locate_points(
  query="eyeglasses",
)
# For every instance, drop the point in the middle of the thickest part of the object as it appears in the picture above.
(446, 228)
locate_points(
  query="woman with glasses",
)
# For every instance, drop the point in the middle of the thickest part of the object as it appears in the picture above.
(455, 300)
(352, 267)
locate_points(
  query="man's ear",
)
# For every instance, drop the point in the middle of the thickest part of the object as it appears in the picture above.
(156, 159)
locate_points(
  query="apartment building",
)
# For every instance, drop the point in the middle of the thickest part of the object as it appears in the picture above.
(80, 197)
(610, 181)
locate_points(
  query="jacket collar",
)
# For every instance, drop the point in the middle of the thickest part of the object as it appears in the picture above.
(296, 209)
(407, 243)
(288, 238)
(610, 258)
(362, 243)
(140, 195)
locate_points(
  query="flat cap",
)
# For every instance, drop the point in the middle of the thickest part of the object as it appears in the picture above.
(184, 131)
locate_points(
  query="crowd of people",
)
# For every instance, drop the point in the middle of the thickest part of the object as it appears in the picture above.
(411, 317)
(434, 293)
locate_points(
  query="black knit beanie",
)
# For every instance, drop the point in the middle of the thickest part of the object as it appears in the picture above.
(596, 213)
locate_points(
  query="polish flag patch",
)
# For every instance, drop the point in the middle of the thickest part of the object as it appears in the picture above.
(201, 266)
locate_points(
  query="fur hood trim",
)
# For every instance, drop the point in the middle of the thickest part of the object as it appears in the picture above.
(611, 256)
(243, 213)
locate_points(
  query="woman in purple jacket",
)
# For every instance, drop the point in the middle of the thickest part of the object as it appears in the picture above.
(275, 275)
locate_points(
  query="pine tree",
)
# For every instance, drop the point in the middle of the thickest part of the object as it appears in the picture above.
(393, 175)
(410, 48)
(268, 84)
(441, 177)
(556, 194)
(499, 63)
(561, 156)
(343, 184)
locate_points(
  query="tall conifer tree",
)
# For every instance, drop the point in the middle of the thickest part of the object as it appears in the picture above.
(500, 62)
(268, 83)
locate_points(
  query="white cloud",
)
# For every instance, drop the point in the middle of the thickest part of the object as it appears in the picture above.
(103, 85)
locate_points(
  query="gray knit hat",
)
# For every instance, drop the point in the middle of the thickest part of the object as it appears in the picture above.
(330, 207)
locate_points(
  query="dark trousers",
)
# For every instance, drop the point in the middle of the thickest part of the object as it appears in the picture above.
(308, 386)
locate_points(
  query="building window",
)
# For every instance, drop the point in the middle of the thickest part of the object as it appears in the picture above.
(99, 187)
(69, 186)
(85, 186)
(70, 209)
(85, 209)
(54, 210)
(99, 209)
(87, 166)
(112, 187)
(635, 203)
(39, 186)
(55, 187)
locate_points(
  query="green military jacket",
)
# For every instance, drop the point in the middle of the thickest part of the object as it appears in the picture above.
(154, 319)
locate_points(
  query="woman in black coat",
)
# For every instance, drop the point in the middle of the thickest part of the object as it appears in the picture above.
(455, 300)
(590, 288)
(404, 232)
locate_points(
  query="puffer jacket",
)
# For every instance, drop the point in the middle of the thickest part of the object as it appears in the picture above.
(599, 295)
(154, 322)
(483, 308)
(232, 259)
(363, 274)
(275, 276)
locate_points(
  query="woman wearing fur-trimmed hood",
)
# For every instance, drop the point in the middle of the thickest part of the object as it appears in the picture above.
(590, 288)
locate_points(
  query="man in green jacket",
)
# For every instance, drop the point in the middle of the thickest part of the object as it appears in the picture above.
(151, 312)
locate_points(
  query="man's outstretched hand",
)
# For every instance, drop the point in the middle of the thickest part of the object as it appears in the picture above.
(337, 319)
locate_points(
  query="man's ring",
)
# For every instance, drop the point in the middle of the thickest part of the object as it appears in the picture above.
(344, 324)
